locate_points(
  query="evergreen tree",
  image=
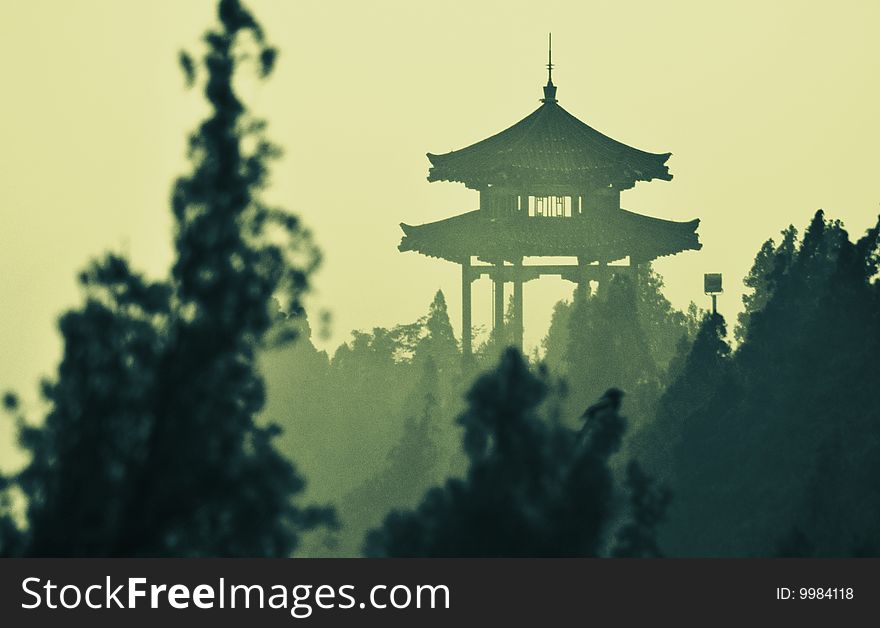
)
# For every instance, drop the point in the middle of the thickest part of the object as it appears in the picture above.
(438, 343)
(663, 326)
(555, 342)
(607, 346)
(770, 264)
(359, 416)
(704, 369)
(789, 435)
(11, 536)
(533, 487)
(297, 376)
(648, 503)
(411, 466)
(150, 447)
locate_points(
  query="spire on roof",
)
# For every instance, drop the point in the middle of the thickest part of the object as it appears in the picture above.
(549, 88)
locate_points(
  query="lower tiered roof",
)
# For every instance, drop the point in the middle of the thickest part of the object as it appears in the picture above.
(604, 237)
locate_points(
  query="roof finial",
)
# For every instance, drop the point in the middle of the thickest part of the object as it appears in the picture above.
(549, 88)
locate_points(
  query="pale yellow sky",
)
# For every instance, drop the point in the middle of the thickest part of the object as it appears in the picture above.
(769, 108)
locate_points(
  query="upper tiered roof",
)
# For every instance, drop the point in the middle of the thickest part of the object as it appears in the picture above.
(549, 146)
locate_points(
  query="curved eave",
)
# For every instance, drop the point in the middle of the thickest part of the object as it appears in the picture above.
(608, 237)
(623, 180)
(552, 144)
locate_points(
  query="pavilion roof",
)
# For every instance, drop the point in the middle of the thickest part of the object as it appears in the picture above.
(549, 146)
(606, 237)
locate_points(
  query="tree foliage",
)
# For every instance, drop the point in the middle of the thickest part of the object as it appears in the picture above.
(533, 487)
(150, 446)
(783, 433)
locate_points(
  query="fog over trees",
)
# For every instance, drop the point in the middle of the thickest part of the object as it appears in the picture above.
(194, 416)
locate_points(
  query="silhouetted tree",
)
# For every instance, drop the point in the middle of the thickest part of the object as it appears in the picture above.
(648, 503)
(770, 265)
(533, 487)
(701, 372)
(150, 446)
(413, 464)
(789, 437)
(555, 343)
(438, 343)
(363, 411)
(607, 346)
(11, 537)
(663, 326)
(624, 335)
(296, 376)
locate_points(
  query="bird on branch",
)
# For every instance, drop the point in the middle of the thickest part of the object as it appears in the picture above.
(608, 403)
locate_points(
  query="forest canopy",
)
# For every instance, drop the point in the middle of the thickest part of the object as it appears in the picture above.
(188, 411)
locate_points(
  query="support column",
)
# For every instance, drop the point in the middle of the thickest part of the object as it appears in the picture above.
(583, 282)
(466, 325)
(604, 274)
(498, 280)
(518, 305)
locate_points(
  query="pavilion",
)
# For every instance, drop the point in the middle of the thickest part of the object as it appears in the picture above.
(549, 187)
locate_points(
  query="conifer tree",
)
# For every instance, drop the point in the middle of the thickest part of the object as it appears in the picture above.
(438, 343)
(637, 538)
(691, 397)
(787, 438)
(533, 487)
(607, 346)
(555, 342)
(150, 447)
(770, 264)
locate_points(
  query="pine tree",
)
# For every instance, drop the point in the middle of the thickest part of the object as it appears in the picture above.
(703, 370)
(438, 342)
(411, 466)
(533, 486)
(555, 342)
(150, 447)
(648, 503)
(662, 325)
(786, 437)
(770, 264)
(607, 346)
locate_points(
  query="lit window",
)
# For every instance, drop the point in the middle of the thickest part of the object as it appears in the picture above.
(550, 206)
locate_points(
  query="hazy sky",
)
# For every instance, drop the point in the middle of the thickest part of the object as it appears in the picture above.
(769, 108)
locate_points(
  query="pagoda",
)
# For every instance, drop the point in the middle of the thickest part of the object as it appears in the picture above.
(549, 187)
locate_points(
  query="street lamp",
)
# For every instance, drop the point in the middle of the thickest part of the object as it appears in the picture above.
(712, 287)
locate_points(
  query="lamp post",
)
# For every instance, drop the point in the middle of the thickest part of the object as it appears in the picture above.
(712, 287)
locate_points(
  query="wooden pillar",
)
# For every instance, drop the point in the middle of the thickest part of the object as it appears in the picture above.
(466, 325)
(518, 305)
(499, 299)
(583, 282)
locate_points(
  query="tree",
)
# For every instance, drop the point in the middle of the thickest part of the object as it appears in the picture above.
(783, 434)
(638, 537)
(555, 342)
(607, 346)
(150, 447)
(411, 466)
(664, 326)
(626, 335)
(533, 487)
(367, 414)
(704, 370)
(770, 265)
(438, 342)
